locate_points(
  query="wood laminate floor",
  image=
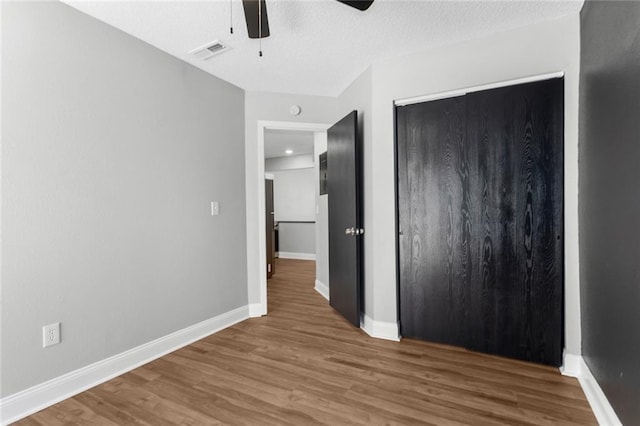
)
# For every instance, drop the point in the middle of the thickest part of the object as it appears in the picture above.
(303, 364)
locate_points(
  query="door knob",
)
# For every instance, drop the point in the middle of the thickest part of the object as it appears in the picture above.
(354, 231)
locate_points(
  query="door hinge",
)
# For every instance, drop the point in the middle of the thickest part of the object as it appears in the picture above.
(269, 268)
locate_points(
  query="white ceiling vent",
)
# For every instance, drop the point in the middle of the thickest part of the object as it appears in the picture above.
(209, 50)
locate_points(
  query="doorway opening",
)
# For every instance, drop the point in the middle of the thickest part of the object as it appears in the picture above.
(300, 213)
(290, 196)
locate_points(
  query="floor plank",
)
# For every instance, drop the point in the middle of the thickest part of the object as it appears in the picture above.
(303, 364)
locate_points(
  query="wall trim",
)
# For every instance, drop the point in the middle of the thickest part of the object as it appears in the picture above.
(574, 366)
(322, 288)
(21, 404)
(299, 256)
(464, 91)
(380, 329)
(257, 310)
(571, 365)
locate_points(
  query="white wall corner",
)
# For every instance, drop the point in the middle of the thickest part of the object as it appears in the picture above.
(41, 396)
(257, 310)
(322, 288)
(298, 256)
(574, 366)
(380, 329)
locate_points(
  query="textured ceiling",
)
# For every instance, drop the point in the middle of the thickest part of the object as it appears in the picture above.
(316, 47)
(276, 142)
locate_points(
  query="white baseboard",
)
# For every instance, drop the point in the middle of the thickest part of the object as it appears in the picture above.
(575, 366)
(322, 288)
(380, 329)
(571, 365)
(36, 398)
(299, 256)
(256, 310)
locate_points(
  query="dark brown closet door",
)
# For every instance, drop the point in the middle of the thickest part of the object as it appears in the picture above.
(518, 300)
(434, 198)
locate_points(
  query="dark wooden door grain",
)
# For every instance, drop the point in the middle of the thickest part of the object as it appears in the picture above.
(480, 212)
(271, 240)
(344, 191)
(518, 301)
(436, 254)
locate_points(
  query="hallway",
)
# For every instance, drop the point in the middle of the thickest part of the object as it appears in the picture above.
(303, 364)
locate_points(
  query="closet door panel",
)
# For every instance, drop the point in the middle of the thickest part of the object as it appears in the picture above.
(434, 174)
(541, 230)
(494, 326)
(517, 303)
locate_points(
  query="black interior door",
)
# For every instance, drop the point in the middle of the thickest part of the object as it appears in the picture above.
(345, 220)
(480, 212)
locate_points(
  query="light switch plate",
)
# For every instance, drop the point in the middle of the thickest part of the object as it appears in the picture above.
(215, 208)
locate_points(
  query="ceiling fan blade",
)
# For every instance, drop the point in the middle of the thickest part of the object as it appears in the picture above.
(251, 15)
(358, 4)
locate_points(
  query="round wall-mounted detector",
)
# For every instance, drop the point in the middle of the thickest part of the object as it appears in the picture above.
(294, 110)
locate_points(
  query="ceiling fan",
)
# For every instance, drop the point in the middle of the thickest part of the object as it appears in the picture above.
(255, 14)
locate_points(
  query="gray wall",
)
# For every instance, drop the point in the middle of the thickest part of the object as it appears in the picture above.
(296, 238)
(111, 154)
(610, 202)
(294, 195)
(294, 190)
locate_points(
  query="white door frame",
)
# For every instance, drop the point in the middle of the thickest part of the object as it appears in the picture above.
(262, 225)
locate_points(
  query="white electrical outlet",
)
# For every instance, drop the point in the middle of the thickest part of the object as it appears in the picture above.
(51, 334)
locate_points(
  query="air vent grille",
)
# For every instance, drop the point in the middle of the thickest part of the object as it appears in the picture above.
(216, 48)
(209, 50)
